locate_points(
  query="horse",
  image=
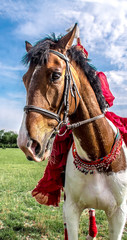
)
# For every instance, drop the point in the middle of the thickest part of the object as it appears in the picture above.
(64, 89)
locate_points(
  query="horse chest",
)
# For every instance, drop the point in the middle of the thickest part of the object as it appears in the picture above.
(97, 190)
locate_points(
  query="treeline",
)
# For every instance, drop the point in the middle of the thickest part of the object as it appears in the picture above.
(8, 139)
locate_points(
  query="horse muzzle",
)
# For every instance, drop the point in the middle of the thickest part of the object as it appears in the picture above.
(36, 147)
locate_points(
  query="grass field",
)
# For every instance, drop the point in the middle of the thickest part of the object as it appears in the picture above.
(21, 217)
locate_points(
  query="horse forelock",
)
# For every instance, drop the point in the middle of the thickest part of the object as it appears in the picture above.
(39, 53)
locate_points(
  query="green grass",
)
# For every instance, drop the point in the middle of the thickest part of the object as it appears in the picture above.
(21, 217)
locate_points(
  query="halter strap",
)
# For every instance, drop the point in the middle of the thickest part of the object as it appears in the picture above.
(90, 120)
(65, 58)
(73, 88)
(47, 113)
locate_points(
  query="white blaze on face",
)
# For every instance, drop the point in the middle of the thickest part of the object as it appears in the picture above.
(36, 70)
(23, 134)
(23, 141)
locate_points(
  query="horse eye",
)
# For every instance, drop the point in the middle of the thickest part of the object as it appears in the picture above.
(55, 76)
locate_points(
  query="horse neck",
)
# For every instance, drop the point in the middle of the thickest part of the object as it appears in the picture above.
(95, 138)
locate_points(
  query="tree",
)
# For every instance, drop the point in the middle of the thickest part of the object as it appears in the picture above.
(8, 139)
(1, 134)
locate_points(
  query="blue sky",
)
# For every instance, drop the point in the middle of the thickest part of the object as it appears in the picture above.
(103, 32)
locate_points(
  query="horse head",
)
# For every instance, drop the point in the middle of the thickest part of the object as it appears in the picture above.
(51, 94)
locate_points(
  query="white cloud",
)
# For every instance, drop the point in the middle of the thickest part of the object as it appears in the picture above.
(16, 10)
(118, 85)
(117, 77)
(103, 24)
(11, 68)
(11, 114)
(103, 27)
(112, 3)
(10, 73)
(117, 54)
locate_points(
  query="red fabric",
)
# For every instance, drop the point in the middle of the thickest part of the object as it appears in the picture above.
(65, 232)
(105, 88)
(119, 122)
(92, 224)
(51, 184)
(79, 45)
(92, 227)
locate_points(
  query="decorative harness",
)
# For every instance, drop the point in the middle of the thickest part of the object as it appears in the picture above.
(68, 78)
(101, 164)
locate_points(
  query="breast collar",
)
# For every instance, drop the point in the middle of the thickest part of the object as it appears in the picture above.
(101, 164)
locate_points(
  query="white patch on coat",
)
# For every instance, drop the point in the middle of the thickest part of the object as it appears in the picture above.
(82, 154)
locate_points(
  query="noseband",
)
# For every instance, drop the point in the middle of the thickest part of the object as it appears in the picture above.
(68, 78)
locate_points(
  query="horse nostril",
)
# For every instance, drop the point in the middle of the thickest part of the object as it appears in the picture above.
(35, 147)
(38, 148)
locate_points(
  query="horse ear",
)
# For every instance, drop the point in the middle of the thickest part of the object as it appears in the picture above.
(28, 46)
(66, 41)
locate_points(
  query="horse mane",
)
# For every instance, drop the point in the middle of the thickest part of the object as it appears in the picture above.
(90, 72)
(39, 53)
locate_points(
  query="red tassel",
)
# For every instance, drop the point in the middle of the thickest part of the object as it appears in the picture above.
(80, 45)
(92, 224)
(65, 232)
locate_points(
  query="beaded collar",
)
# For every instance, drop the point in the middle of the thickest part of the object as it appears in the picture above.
(101, 164)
